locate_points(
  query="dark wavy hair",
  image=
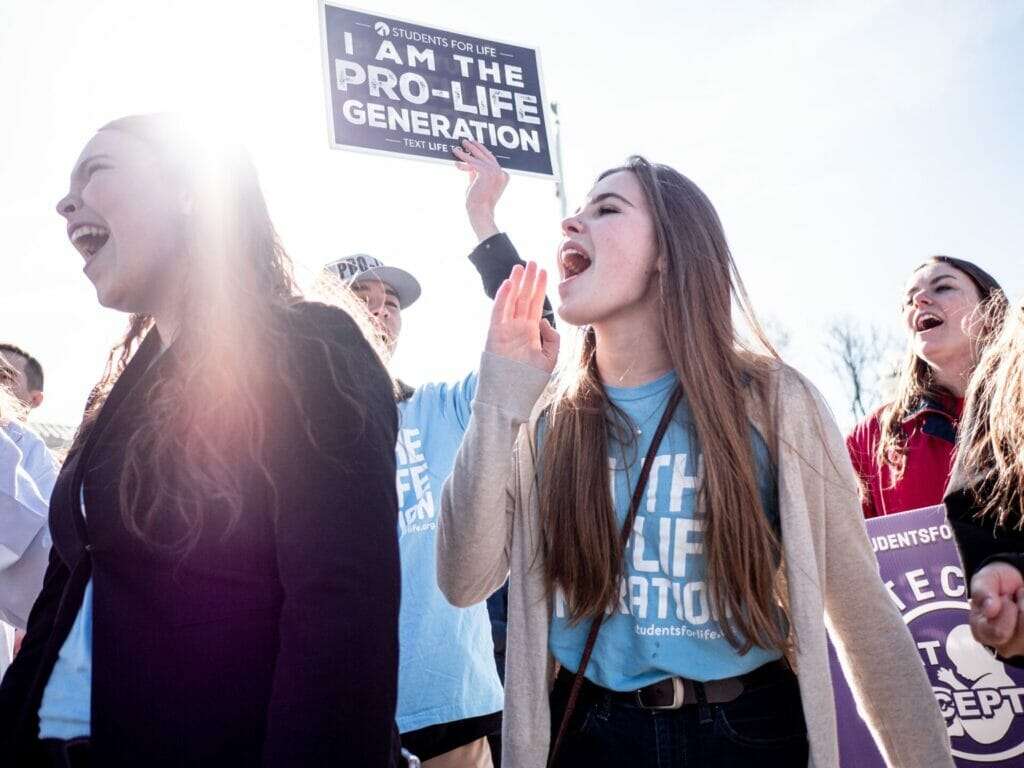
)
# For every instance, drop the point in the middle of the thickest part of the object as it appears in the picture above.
(916, 381)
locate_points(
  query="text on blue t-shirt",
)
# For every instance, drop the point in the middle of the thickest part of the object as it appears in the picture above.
(663, 624)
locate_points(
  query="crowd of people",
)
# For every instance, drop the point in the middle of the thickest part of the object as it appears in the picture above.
(263, 549)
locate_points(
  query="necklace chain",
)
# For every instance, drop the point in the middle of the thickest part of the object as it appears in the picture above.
(658, 407)
(662, 403)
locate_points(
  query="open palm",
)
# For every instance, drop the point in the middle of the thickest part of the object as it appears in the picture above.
(487, 178)
(517, 331)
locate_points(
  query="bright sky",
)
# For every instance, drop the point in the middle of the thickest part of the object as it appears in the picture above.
(841, 144)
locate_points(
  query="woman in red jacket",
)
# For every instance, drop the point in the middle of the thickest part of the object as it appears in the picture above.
(904, 451)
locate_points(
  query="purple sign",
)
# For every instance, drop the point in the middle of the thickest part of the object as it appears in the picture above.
(981, 699)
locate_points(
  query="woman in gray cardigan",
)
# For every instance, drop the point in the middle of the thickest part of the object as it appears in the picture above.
(676, 515)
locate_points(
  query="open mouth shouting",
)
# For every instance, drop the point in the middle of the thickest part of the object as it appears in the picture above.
(926, 321)
(573, 261)
(88, 239)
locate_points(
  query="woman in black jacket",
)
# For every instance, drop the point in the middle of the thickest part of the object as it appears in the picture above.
(223, 586)
(985, 499)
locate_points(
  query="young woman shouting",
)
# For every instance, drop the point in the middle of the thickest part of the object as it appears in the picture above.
(675, 518)
(223, 586)
(903, 453)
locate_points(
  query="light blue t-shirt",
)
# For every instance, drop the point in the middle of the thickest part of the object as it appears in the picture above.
(65, 712)
(446, 655)
(663, 625)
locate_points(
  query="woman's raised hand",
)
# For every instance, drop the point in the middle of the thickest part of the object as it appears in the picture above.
(487, 181)
(517, 331)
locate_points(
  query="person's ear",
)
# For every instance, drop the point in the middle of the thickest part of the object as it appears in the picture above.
(35, 398)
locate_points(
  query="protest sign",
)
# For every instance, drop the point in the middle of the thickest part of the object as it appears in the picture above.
(980, 697)
(406, 89)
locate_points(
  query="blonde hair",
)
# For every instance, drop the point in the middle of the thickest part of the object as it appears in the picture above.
(992, 436)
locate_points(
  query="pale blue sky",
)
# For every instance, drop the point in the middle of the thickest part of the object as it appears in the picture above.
(842, 143)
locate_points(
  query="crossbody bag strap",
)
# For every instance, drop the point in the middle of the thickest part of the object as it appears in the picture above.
(627, 526)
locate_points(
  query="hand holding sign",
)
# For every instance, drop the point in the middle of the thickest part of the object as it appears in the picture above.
(517, 331)
(997, 608)
(487, 181)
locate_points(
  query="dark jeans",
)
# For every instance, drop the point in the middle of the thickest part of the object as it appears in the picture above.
(764, 727)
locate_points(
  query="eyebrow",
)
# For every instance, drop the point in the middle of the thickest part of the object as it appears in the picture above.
(932, 283)
(604, 196)
(89, 159)
(608, 195)
(363, 284)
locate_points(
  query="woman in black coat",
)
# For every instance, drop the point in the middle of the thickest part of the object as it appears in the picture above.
(985, 499)
(223, 586)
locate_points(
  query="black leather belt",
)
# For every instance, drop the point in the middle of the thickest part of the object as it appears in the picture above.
(676, 692)
(75, 753)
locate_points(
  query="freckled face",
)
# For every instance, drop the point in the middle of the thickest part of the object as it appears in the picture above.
(608, 256)
(126, 222)
(939, 313)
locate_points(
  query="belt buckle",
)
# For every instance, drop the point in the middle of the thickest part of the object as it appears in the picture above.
(678, 696)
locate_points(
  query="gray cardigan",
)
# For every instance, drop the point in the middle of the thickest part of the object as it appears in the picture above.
(490, 529)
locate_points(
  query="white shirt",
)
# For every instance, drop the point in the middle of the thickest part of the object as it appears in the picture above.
(27, 474)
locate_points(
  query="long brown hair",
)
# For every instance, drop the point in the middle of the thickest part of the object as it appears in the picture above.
(917, 381)
(992, 437)
(206, 423)
(698, 287)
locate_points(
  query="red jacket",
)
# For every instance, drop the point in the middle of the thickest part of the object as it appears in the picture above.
(931, 448)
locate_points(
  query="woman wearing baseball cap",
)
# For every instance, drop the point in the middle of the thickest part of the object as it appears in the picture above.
(450, 658)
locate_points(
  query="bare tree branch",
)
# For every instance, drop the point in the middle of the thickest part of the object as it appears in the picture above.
(862, 359)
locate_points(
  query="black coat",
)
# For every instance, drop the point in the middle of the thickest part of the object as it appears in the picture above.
(980, 541)
(276, 645)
